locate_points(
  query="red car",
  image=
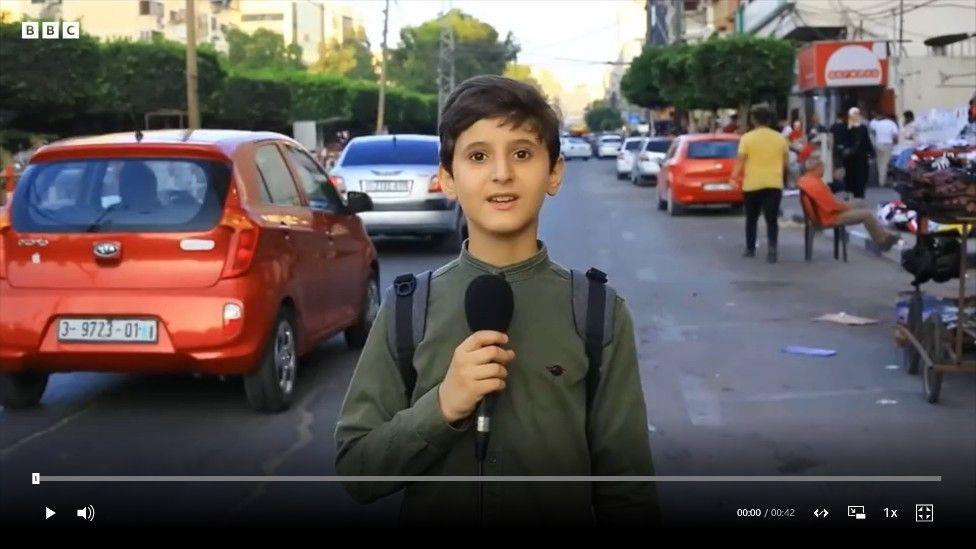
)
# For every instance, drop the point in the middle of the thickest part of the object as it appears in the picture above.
(211, 251)
(698, 171)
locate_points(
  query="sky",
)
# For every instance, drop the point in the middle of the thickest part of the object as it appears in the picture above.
(551, 32)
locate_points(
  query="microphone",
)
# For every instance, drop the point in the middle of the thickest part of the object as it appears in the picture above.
(488, 305)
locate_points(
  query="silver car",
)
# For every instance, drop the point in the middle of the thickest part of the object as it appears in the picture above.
(399, 173)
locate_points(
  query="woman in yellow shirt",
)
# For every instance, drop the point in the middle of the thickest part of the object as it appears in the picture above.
(760, 169)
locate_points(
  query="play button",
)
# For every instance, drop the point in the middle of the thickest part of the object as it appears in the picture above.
(48, 513)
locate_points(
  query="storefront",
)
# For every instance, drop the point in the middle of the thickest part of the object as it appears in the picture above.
(833, 76)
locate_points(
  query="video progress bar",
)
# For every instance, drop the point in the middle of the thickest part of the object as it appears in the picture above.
(37, 478)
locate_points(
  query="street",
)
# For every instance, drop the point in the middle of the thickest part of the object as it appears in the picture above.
(722, 398)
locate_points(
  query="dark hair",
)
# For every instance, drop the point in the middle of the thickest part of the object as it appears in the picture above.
(762, 116)
(490, 96)
(909, 115)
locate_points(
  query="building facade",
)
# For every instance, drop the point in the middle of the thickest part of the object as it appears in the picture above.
(305, 22)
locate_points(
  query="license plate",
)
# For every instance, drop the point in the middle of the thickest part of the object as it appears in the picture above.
(111, 330)
(386, 186)
(717, 187)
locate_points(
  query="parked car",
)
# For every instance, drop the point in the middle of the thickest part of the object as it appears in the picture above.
(608, 146)
(627, 156)
(212, 251)
(574, 147)
(698, 171)
(649, 159)
(399, 172)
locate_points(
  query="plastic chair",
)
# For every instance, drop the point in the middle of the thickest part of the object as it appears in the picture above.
(813, 222)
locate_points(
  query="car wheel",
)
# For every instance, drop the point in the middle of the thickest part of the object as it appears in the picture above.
(271, 386)
(661, 205)
(356, 335)
(22, 390)
(674, 209)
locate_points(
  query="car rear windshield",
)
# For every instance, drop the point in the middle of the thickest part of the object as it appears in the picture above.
(657, 146)
(632, 145)
(392, 151)
(713, 149)
(121, 195)
(610, 138)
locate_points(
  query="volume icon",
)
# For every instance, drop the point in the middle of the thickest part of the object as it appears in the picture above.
(87, 513)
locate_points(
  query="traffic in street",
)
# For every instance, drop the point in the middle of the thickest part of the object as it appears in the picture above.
(722, 398)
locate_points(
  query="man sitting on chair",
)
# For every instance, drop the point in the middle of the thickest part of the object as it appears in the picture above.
(833, 212)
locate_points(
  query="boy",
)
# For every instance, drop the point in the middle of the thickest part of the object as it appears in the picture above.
(500, 158)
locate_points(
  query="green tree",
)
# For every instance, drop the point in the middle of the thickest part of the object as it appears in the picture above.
(601, 117)
(478, 50)
(640, 83)
(44, 84)
(262, 50)
(139, 77)
(741, 70)
(351, 58)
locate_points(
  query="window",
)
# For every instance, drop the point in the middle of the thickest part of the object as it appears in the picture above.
(633, 145)
(263, 17)
(713, 149)
(318, 189)
(144, 8)
(657, 145)
(391, 151)
(277, 179)
(347, 28)
(121, 195)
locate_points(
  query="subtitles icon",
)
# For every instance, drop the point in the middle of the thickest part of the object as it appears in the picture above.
(856, 511)
(924, 512)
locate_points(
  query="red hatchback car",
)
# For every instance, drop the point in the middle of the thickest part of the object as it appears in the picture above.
(211, 251)
(698, 171)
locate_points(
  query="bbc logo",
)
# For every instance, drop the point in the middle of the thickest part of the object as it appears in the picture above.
(50, 30)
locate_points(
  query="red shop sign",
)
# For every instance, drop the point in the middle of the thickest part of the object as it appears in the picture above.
(842, 64)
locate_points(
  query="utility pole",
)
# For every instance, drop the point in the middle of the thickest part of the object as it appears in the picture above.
(380, 110)
(445, 67)
(901, 28)
(192, 101)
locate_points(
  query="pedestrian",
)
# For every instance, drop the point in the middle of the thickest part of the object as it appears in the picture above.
(409, 410)
(760, 169)
(909, 134)
(733, 125)
(838, 142)
(856, 153)
(884, 133)
(834, 212)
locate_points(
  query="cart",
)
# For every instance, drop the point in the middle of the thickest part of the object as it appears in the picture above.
(933, 344)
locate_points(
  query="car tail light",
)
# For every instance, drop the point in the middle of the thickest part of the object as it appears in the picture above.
(243, 243)
(645, 157)
(435, 184)
(338, 182)
(4, 227)
(620, 156)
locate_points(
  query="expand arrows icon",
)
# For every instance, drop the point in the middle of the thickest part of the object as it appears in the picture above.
(821, 513)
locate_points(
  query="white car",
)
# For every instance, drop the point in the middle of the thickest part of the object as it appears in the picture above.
(608, 146)
(649, 160)
(574, 147)
(627, 155)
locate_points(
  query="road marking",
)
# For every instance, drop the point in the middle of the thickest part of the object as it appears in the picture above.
(892, 367)
(807, 395)
(886, 402)
(704, 408)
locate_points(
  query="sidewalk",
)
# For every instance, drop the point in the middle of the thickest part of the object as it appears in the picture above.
(859, 236)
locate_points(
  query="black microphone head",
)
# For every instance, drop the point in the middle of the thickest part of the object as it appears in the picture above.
(489, 303)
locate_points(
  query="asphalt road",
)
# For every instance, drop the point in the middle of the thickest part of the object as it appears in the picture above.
(722, 397)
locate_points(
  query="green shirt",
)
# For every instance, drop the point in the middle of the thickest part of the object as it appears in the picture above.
(540, 424)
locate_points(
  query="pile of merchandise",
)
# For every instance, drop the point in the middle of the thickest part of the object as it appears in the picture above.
(941, 184)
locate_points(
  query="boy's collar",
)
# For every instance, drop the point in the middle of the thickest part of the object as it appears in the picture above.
(512, 273)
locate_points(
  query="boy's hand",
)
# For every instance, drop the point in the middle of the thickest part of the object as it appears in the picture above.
(479, 367)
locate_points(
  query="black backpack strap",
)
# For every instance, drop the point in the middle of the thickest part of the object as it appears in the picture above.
(406, 323)
(594, 306)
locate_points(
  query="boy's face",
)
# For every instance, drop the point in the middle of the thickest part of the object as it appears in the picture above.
(501, 176)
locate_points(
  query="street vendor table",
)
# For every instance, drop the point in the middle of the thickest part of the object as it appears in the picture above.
(932, 343)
